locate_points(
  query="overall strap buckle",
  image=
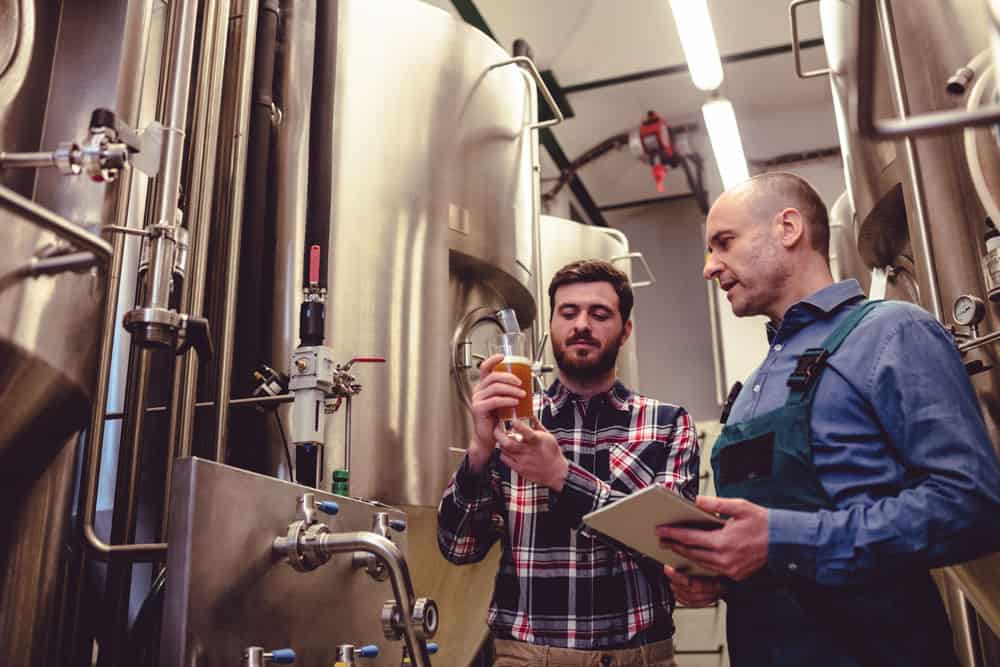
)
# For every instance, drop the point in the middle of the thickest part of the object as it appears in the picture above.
(807, 369)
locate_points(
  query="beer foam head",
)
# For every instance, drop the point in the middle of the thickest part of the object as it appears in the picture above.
(516, 359)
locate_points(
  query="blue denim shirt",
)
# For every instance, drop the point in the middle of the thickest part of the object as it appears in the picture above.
(898, 443)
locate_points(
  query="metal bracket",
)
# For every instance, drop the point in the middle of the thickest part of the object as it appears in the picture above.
(796, 51)
(642, 260)
(528, 65)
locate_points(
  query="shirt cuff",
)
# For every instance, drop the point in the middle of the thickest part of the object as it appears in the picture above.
(792, 538)
(581, 494)
(472, 487)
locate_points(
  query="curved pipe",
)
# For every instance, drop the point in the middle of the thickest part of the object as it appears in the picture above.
(399, 574)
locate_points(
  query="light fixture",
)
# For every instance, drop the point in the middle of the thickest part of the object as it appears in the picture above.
(720, 121)
(694, 27)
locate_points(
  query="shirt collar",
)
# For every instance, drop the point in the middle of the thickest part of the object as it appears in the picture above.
(818, 305)
(557, 395)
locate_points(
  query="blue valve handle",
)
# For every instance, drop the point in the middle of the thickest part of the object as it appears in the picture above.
(283, 656)
(328, 507)
(398, 525)
(369, 651)
(432, 647)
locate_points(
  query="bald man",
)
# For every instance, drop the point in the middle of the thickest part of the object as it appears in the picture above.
(855, 460)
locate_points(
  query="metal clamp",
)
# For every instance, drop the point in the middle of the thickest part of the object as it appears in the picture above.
(907, 126)
(796, 51)
(529, 65)
(642, 260)
(424, 619)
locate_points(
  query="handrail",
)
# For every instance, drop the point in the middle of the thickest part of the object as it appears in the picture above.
(49, 221)
(529, 64)
(796, 50)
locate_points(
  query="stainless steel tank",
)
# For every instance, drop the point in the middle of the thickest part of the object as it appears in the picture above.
(428, 188)
(564, 241)
(917, 191)
(49, 325)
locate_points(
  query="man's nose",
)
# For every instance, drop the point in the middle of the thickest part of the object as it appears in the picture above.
(712, 268)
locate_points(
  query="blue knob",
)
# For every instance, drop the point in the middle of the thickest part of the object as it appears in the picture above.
(432, 647)
(398, 525)
(283, 656)
(328, 507)
(370, 651)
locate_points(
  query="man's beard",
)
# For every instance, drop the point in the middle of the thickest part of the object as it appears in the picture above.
(591, 367)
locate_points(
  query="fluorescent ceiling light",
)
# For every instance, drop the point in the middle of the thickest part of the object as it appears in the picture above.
(720, 121)
(694, 26)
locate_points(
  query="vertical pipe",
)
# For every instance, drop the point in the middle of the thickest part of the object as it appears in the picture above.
(183, 28)
(124, 518)
(923, 240)
(204, 154)
(136, 35)
(291, 182)
(257, 78)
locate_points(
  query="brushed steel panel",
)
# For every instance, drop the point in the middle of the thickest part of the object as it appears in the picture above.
(226, 591)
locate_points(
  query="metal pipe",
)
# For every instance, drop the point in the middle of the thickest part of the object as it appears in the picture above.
(968, 346)
(250, 59)
(183, 29)
(47, 266)
(125, 515)
(205, 124)
(252, 401)
(923, 240)
(399, 574)
(35, 160)
(347, 434)
(896, 128)
(49, 221)
(204, 152)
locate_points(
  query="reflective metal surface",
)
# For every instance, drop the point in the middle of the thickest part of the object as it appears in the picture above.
(935, 202)
(227, 590)
(565, 241)
(412, 207)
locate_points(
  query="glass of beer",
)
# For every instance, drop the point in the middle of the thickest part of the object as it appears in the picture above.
(516, 360)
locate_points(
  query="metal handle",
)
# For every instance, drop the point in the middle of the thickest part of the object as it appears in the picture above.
(530, 66)
(796, 52)
(642, 260)
(908, 126)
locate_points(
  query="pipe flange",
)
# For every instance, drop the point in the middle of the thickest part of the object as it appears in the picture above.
(392, 626)
(67, 158)
(300, 546)
(425, 618)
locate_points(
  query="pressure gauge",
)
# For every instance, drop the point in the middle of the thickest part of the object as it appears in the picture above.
(968, 310)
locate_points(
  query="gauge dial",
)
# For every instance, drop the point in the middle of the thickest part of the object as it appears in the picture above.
(968, 310)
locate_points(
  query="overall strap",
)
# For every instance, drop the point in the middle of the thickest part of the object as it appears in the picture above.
(803, 380)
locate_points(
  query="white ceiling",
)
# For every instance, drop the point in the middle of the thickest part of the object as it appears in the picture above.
(582, 41)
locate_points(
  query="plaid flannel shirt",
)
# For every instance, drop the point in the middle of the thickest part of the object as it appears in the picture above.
(560, 584)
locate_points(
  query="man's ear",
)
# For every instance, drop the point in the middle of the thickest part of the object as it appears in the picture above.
(791, 227)
(628, 331)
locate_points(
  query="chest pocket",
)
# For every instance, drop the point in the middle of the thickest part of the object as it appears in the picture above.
(748, 460)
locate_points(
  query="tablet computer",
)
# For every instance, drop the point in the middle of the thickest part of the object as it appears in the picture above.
(632, 521)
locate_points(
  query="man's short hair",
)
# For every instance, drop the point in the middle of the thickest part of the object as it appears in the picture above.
(788, 190)
(594, 271)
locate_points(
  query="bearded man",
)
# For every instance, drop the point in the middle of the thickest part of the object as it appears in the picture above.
(563, 595)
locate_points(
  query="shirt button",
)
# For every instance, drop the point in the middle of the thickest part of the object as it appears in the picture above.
(756, 389)
(777, 348)
(792, 567)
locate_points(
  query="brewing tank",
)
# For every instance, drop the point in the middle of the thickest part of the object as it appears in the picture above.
(414, 173)
(913, 196)
(565, 241)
